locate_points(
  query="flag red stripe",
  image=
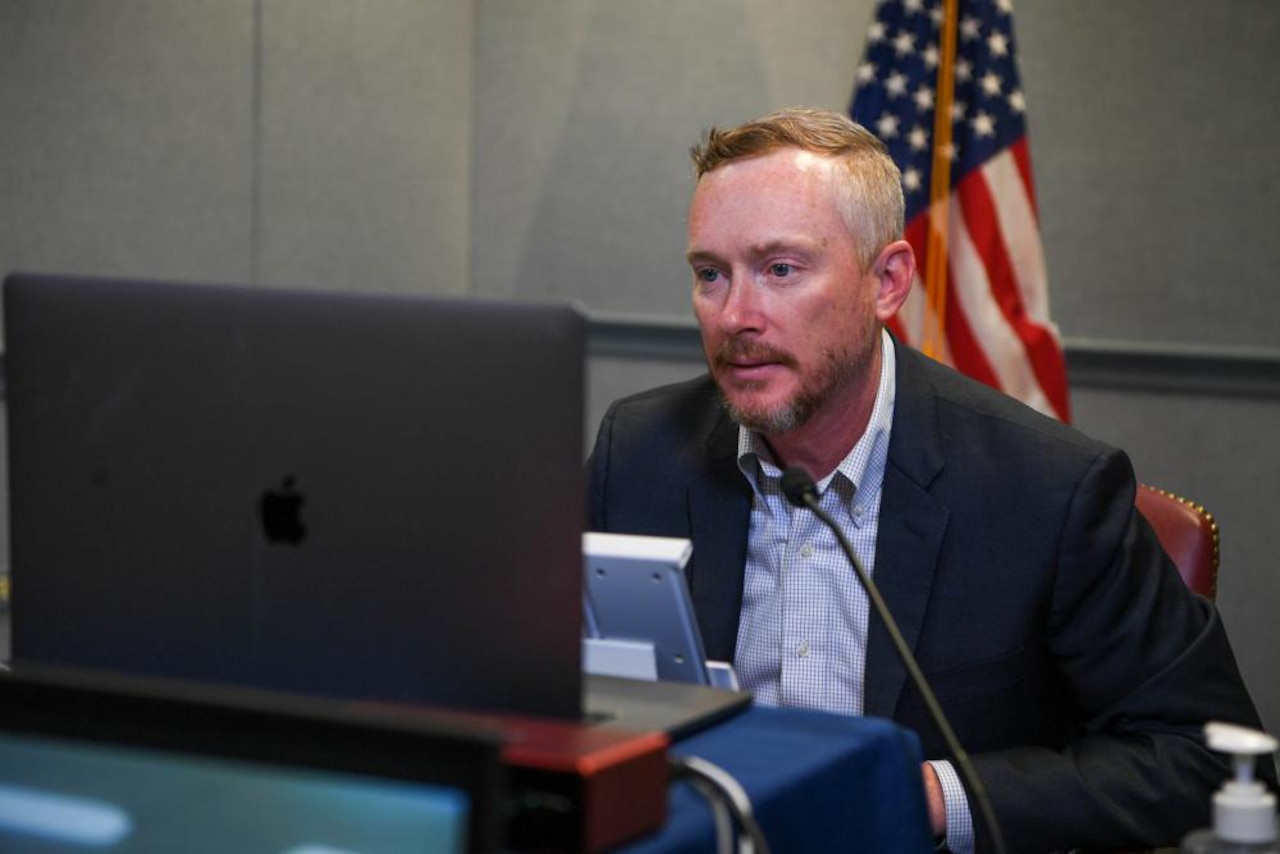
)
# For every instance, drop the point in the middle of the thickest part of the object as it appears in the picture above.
(970, 358)
(966, 354)
(1041, 346)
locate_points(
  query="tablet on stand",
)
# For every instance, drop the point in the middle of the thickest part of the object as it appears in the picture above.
(639, 620)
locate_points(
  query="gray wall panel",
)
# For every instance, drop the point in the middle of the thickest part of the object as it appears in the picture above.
(1153, 127)
(127, 137)
(366, 136)
(585, 112)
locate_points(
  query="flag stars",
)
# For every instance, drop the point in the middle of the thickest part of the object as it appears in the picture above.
(991, 83)
(904, 43)
(887, 126)
(983, 124)
(1005, 6)
(937, 14)
(918, 138)
(912, 181)
(899, 100)
(924, 99)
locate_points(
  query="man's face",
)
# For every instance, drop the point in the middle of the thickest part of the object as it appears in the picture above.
(787, 315)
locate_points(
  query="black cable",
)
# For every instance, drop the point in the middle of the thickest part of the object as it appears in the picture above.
(798, 486)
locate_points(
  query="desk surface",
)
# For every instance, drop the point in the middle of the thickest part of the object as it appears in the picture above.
(818, 782)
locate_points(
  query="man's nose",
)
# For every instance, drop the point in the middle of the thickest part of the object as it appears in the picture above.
(743, 308)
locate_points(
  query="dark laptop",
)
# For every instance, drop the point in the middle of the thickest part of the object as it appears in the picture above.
(352, 495)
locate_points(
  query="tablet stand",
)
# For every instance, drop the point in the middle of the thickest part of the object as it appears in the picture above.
(631, 659)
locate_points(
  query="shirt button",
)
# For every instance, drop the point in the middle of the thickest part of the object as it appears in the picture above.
(858, 511)
(803, 649)
(806, 550)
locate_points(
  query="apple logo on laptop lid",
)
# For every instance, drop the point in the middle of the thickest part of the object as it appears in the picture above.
(280, 511)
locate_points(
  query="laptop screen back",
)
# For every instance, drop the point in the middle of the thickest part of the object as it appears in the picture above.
(349, 495)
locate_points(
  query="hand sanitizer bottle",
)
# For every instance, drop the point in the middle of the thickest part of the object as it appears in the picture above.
(1244, 812)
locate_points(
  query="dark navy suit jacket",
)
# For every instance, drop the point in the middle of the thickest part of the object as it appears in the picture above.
(1074, 665)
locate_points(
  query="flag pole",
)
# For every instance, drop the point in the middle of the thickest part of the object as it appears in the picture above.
(936, 267)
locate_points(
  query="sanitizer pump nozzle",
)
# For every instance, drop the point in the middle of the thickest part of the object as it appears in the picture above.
(1244, 812)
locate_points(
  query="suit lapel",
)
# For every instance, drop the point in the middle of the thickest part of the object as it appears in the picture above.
(912, 526)
(719, 514)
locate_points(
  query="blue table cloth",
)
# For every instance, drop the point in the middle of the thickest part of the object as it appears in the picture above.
(817, 782)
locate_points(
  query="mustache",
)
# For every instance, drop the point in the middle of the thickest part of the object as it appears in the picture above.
(739, 350)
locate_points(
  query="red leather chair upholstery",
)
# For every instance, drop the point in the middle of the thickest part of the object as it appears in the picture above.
(1188, 533)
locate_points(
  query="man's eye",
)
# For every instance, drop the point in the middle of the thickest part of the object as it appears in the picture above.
(707, 274)
(780, 269)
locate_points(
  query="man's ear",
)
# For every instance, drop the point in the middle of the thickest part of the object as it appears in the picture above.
(895, 270)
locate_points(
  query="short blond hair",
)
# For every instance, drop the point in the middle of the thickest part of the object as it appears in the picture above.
(869, 190)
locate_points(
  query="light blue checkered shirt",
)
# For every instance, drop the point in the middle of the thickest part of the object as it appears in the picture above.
(802, 640)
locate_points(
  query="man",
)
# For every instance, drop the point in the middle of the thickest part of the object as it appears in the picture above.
(1073, 664)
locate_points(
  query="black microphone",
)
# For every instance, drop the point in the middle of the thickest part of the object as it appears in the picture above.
(798, 486)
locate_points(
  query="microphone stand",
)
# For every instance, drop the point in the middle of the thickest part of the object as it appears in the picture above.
(798, 486)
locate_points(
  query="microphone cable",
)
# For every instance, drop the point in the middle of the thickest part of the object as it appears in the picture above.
(800, 490)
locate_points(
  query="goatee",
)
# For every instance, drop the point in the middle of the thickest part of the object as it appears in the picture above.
(837, 369)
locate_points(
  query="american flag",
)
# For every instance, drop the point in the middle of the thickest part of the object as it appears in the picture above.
(939, 85)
